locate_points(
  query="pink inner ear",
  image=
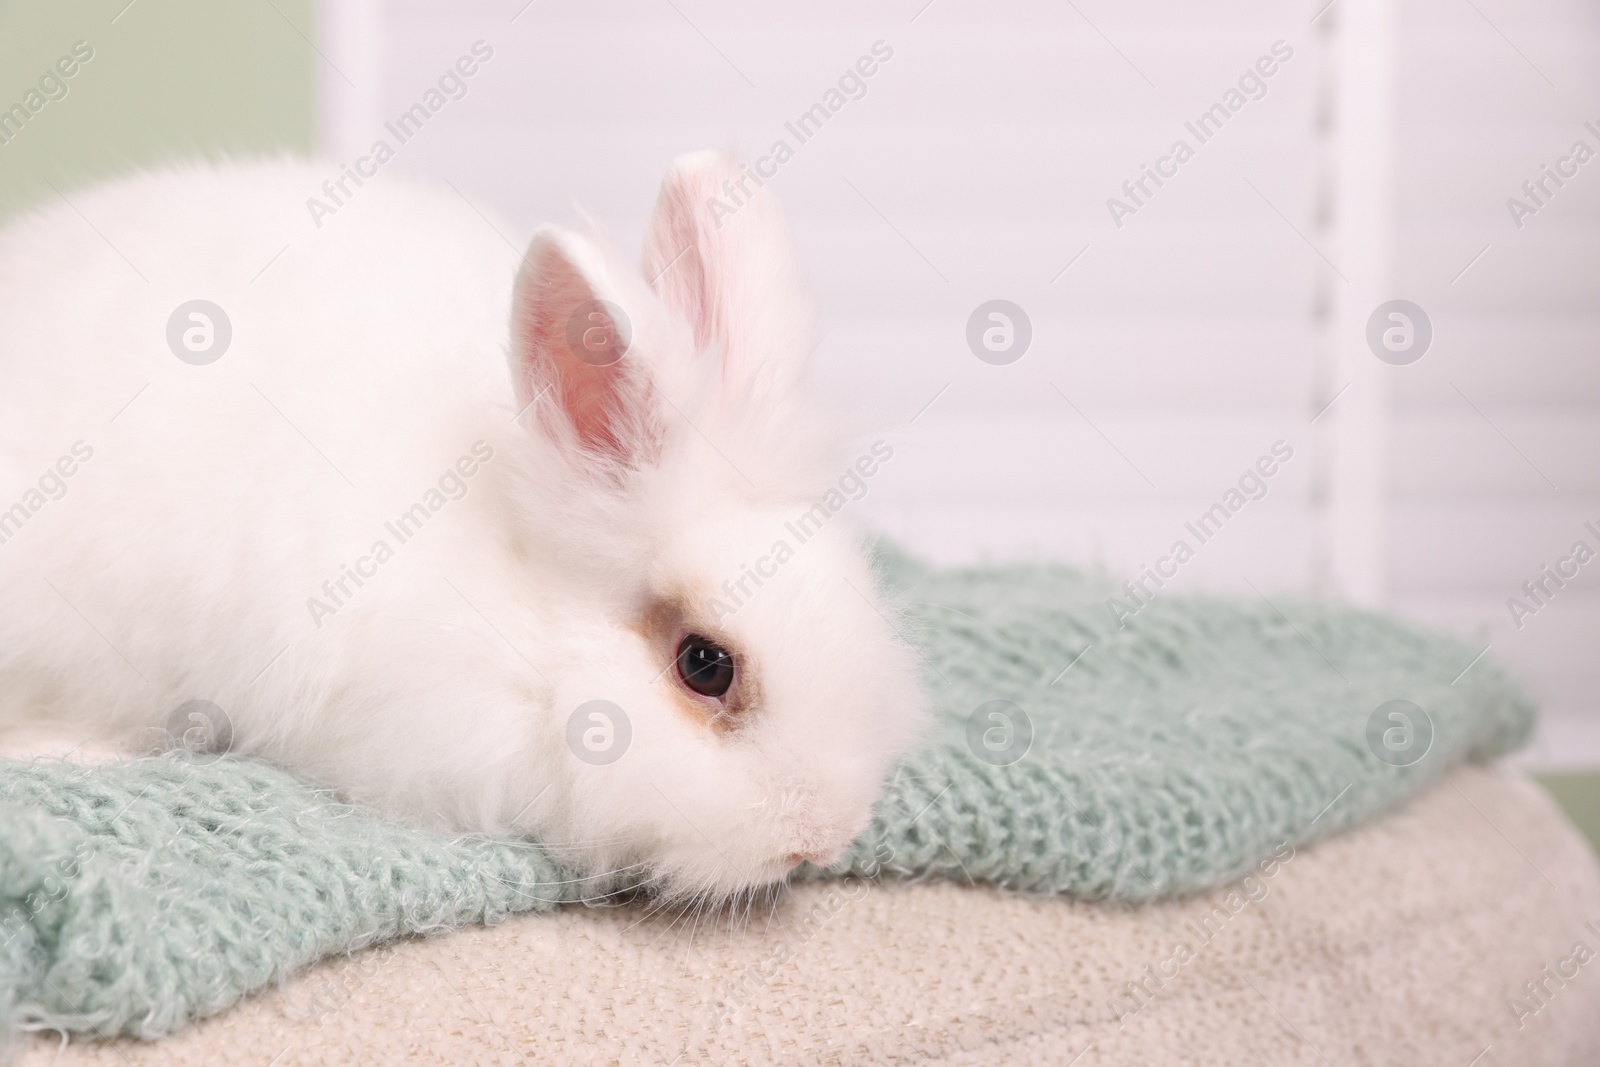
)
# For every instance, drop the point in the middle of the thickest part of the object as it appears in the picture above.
(550, 290)
(718, 254)
(680, 252)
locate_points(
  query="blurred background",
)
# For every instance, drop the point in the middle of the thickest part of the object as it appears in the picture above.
(1171, 314)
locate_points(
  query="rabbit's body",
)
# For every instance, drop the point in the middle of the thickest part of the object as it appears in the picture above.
(399, 536)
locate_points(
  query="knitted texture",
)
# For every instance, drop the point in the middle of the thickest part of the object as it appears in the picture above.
(135, 896)
(1167, 755)
(1170, 748)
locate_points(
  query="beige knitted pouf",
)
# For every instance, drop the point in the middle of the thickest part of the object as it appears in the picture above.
(1456, 931)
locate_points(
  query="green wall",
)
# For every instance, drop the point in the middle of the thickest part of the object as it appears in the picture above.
(1579, 794)
(169, 79)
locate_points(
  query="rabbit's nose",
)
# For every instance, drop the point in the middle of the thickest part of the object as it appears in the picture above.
(817, 858)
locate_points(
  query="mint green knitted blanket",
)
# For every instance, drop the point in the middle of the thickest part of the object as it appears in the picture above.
(1128, 761)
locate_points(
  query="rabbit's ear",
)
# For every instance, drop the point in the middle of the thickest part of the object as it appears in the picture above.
(572, 353)
(717, 251)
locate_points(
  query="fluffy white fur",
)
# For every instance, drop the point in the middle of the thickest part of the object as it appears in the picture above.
(369, 357)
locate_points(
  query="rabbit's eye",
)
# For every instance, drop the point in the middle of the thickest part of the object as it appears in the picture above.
(705, 666)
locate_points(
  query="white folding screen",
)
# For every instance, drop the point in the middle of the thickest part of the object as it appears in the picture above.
(1494, 465)
(1191, 309)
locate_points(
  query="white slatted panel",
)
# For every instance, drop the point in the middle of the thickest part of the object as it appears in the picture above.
(978, 166)
(1517, 335)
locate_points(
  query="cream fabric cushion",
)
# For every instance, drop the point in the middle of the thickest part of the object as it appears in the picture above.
(1406, 942)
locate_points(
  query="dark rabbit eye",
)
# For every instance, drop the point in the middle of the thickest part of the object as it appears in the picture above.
(705, 666)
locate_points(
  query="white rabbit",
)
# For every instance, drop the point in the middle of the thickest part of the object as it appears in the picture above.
(555, 530)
